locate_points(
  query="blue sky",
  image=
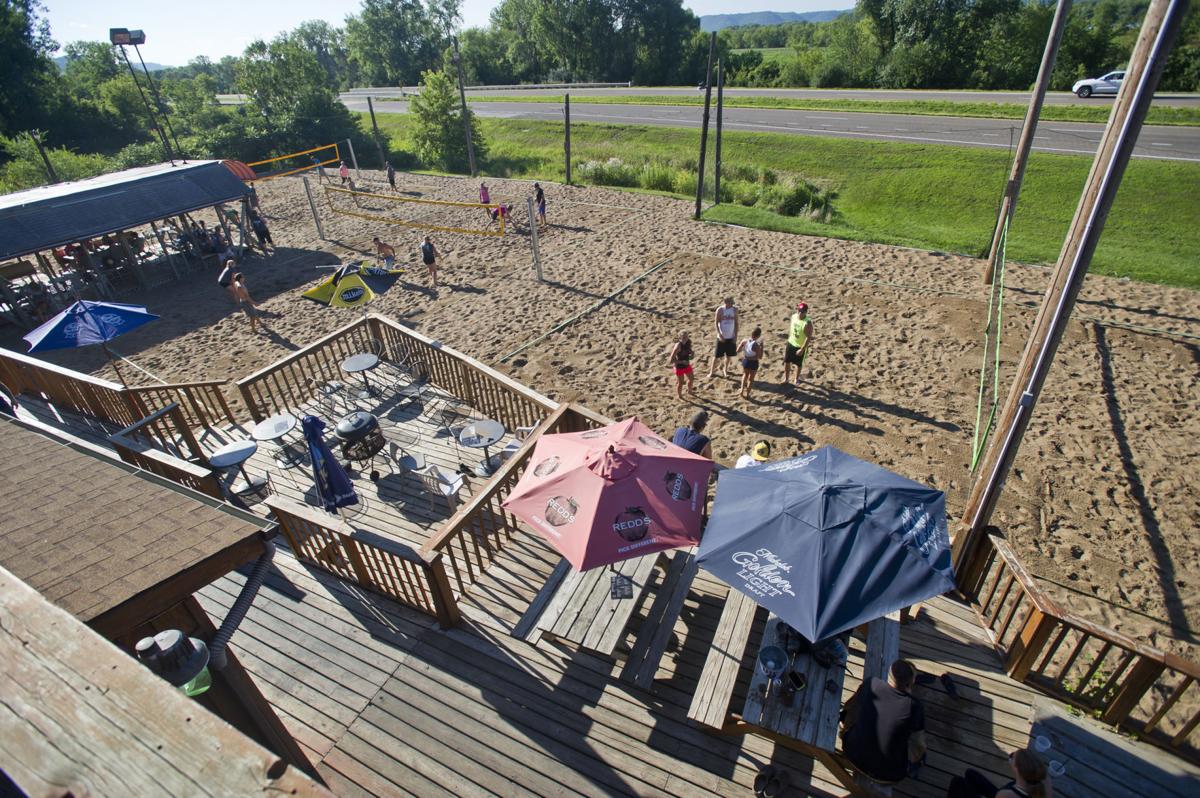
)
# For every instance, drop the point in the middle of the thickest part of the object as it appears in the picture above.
(177, 32)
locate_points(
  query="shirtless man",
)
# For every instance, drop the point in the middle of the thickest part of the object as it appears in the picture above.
(726, 323)
(384, 252)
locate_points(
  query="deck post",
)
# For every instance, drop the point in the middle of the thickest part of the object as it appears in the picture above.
(448, 615)
(1141, 678)
(1029, 643)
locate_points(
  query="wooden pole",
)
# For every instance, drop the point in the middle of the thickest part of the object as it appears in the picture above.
(567, 128)
(37, 140)
(375, 128)
(1159, 29)
(1008, 205)
(720, 110)
(313, 207)
(533, 240)
(712, 46)
(462, 97)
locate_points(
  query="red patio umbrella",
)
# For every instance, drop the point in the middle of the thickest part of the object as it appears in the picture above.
(612, 493)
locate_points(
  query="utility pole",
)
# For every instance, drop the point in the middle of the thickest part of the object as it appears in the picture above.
(712, 46)
(153, 119)
(162, 108)
(462, 97)
(1159, 29)
(375, 127)
(1008, 205)
(567, 138)
(720, 109)
(37, 140)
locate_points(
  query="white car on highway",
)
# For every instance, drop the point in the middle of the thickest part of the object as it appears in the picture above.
(1108, 84)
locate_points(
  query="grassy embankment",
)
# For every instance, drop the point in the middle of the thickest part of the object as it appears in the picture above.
(926, 196)
(1095, 111)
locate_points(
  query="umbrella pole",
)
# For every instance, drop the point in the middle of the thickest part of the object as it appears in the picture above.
(116, 368)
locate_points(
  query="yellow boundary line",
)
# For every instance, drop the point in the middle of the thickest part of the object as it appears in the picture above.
(294, 154)
(391, 198)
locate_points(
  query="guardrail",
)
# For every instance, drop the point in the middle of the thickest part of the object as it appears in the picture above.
(376, 91)
(289, 382)
(149, 443)
(1123, 682)
(412, 578)
(200, 402)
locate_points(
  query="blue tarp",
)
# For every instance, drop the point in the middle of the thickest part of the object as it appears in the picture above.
(50, 216)
(827, 541)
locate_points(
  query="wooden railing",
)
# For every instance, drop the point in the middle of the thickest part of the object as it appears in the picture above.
(409, 577)
(201, 403)
(1121, 681)
(153, 443)
(287, 384)
(472, 538)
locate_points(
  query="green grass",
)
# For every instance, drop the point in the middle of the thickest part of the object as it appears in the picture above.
(771, 53)
(931, 197)
(1096, 112)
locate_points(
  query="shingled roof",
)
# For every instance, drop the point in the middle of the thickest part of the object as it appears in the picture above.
(94, 535)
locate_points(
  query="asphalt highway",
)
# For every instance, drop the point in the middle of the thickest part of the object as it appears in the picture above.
(1160, 142)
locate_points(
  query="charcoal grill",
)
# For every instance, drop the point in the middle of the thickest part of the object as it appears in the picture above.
(361, 438)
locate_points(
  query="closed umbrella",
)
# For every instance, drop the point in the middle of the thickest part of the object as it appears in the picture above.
(827, 541)
(334, 488)
(85, 323)
(611, 494)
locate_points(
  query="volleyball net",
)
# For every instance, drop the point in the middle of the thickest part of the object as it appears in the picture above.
(471, 218)
(295, 162)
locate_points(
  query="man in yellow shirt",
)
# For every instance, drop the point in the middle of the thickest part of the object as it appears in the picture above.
(800, 335)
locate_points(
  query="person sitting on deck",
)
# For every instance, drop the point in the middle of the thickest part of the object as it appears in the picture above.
(883, 732)
(1029, 780)
(692, 438)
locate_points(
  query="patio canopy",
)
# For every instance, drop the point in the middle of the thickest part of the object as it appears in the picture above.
(51, 216)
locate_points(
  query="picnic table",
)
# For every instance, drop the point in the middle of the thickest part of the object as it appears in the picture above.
(580, 608)
(810, 724)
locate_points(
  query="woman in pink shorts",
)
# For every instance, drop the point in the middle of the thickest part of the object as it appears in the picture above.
(681, 360)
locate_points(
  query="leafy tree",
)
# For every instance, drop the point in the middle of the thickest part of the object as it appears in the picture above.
(391, 41)
(513, 21)
(90, 64)
(328, 46)
(485, 58)
(27, 75)
(25, 170)
(651, 30)
(438, 136)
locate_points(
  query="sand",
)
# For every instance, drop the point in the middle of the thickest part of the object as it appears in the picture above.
(1098, 504)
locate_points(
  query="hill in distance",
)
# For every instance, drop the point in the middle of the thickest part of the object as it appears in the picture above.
(711, 22)
(61, 62)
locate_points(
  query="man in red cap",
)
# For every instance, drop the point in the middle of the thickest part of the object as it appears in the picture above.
(800, 335)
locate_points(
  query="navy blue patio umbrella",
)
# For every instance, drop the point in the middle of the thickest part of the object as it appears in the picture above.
(334, 488)
(827, 541)
(85, 323)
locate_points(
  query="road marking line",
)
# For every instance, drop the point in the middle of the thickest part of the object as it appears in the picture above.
(1156, 144)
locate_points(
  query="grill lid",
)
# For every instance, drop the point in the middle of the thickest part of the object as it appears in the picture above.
(356, 426)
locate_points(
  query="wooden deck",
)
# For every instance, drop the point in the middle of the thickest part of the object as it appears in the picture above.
(387, 703)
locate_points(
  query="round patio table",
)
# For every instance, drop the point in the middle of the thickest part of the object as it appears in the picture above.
(236, 454)
(273, 430)
(480, 435)
(361, 364)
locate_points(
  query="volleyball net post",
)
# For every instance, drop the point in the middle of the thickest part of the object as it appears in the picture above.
(312, 205)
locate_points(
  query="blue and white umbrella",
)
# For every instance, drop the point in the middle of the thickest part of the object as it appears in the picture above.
(827, 541)
(85, 323)
(334, 488)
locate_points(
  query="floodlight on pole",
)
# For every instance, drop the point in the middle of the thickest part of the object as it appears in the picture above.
(121, 38)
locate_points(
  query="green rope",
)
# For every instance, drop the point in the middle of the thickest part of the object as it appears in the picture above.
(991, 346)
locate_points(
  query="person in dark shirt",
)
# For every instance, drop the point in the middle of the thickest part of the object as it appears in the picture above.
(884, 726)
(692, 438)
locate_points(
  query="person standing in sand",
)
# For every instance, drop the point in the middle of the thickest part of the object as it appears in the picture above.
(225, 279)
(539, 199)
(384, 252)
(243, 300)
(726, 324)
(800, 335)
(680, 360)
(391, 174)
(752, 350)
(485, 198)
(344, 173)
(429, 256)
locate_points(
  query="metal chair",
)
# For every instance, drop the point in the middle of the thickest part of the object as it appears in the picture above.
(520, 435)
(437, 483)
(329, 395)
